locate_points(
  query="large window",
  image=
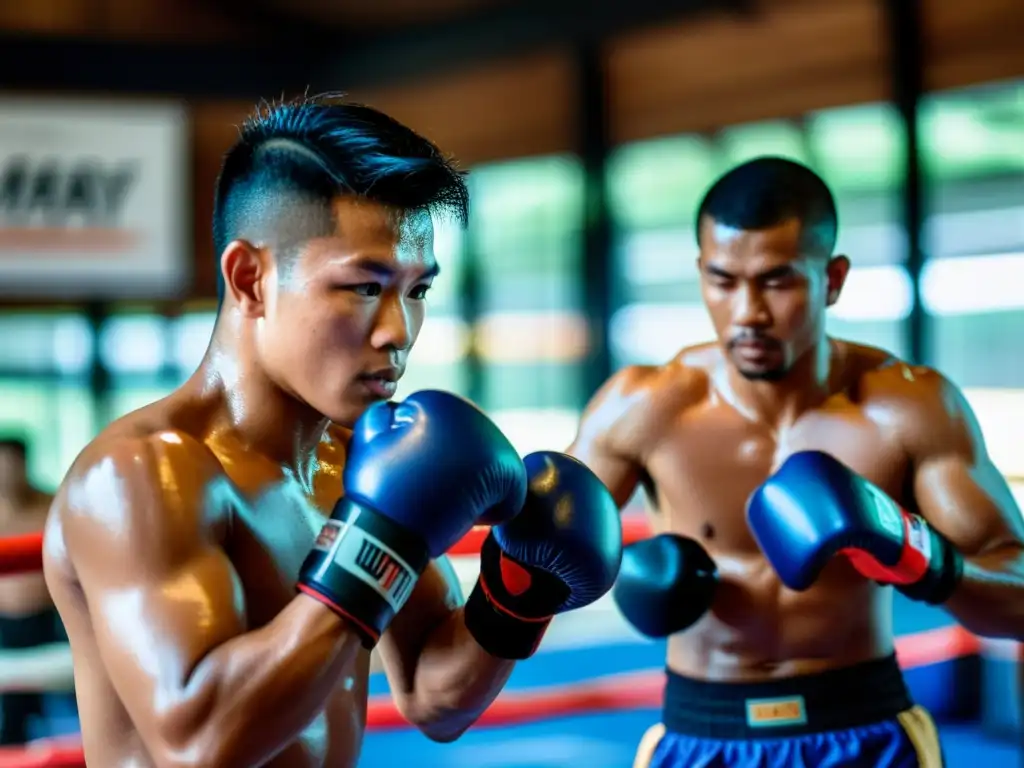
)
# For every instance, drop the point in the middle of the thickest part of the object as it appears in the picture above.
(860, 153)
(974, 156)
(531, 335)
(137, 350)
(656, 186)
(44, 395)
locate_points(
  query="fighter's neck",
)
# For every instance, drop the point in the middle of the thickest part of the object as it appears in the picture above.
(778, 404)
(253, 413)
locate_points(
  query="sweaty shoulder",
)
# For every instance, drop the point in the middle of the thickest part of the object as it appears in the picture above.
(919, 401)
(639, 401)
(150, 489)
(879, 376)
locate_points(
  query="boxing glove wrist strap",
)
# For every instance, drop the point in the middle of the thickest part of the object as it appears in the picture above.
(364, 567)
(925, 566)
(499, 632)
(511, 605)
(945, 570)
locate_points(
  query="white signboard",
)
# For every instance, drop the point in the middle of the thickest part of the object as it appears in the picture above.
(93, 199)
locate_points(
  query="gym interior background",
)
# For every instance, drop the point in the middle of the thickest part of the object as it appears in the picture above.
(591, 129)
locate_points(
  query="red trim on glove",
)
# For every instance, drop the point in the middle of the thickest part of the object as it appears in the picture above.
(502, 609)
(914, 559)
(514, 577)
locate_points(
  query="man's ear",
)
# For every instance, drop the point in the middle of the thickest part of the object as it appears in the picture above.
(244, 268)
(837, 271)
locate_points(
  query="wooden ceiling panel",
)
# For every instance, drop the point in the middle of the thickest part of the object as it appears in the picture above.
(204, 20)
(972, 42)
(788, 58)
(503, 110)
(47, 16)
(380, 13)
(165, 20)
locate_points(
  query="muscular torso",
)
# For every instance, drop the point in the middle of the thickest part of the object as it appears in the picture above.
(25, 594)
(266, 524)
(705, 458)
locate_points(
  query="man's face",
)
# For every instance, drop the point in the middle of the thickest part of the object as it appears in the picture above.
(766, 294)
(344, 312)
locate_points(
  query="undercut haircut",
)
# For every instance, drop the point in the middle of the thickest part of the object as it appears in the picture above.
(768, 191)
(293, 159)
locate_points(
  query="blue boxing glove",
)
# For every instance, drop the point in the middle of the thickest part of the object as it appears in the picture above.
(419, 475)
(666, 583)
(560, 553)
(815, 507)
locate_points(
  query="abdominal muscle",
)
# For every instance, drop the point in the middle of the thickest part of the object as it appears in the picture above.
(759, 630)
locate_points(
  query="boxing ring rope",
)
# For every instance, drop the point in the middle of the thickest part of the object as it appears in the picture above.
(21, 554)
(609, 693)
(24, 553)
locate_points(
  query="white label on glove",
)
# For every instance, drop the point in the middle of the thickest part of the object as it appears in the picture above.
(368, 559)
(918, 536)
(888, 512)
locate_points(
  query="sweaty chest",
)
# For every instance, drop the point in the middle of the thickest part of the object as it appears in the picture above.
(704, 472)
(274, 522)
(273, 529)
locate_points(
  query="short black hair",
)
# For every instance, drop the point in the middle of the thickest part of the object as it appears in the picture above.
(767, 191)
(318, 147)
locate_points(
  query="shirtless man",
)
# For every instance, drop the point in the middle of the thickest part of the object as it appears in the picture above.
(35, 656)
(177, 541)
(780, 647)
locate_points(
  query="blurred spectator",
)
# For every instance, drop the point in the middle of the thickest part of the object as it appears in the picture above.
(27, 617)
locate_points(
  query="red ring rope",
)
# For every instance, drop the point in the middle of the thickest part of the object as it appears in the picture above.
(55, 753)
(24, 553)
(20, 554)
(610, 693)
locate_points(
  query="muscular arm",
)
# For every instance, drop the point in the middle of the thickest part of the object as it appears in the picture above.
(166, 608)
(614, 426)
(962, 494)
(440, 678)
